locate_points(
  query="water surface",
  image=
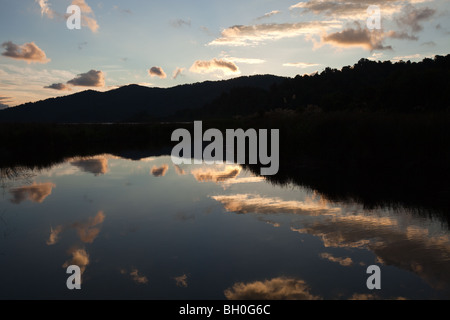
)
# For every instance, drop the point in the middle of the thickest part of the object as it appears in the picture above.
(150, 230)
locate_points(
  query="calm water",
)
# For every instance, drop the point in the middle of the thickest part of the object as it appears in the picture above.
(149, 230)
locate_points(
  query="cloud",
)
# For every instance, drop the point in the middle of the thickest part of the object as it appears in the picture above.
(243, 180)
(244, 60)
(358, 37)
(225, 176)
(403, 13)
(179, 170)
(202, 66)
(211, 175)
(81, 45)
(375, 56)
(85, 8)
(246, 203)
(302, 65)
(3, 102)
(345, 262)
(135, 275)
(35, 193)
(429, 44)
(178, 72)
(273, 289)
(92, 78)
(87, 230)
(181, 281)
(180, 23)
(58, 86)
(401, 35)
(14, 78)
(54, 235)
(89, 22)
(45, 9)
(269, 14)
(28, 52)
(364, 296)
(349, 9)
(411, 17)
(159, 171)
(406, 58)
(96, 166)
(80, 258)
(255, 34)
(157, 72)
(88, 17)
(414, 248)
(126, 11)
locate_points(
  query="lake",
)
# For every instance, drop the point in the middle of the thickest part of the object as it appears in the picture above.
(147, 229)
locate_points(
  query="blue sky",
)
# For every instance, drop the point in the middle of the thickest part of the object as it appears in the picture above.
(121, 41)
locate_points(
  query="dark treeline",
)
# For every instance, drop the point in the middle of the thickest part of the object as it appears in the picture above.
(39, 146)
(367, 86)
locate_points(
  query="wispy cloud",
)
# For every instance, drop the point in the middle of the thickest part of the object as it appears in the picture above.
(247, 203)
(177, 72)
(54, 235)
(408, 57)
(256, 34)
(349, 9)
(179, 23)
(269, 14)
(217, 176)
(135, 275)
(88, 18)
(3, 102)
(181, 281)
(345, 262)
(45, 8)
(302, 65)
(244, 60)
(274, 289)
(208, 66)
(412, 17)
(357, 37)
(58, 86)
(125, 11)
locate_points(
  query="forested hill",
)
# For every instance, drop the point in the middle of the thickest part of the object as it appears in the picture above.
(366, 86)
(130, 103)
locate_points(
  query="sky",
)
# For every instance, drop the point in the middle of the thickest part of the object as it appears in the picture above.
(168, 43)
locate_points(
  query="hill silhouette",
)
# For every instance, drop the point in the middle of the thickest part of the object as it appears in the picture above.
(129, 103)
(366, 86)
